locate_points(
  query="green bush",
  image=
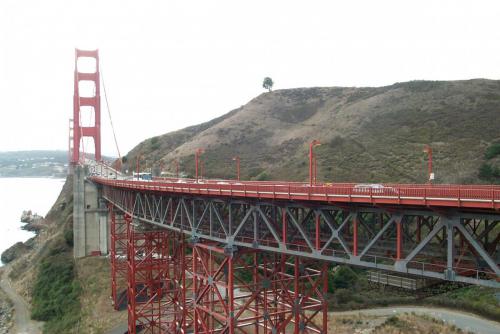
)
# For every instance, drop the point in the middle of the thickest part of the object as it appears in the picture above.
(492, 151)
(263, 176)
(343, 296)
(68, 237)
(56, 293)
(154, 143)
(489, 173)
(344, 278)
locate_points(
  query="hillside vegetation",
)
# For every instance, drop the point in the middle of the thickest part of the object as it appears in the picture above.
(367, 135)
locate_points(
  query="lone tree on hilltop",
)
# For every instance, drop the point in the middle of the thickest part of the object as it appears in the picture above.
(268, 83)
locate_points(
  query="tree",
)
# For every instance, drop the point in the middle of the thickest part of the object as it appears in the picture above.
(268, 83)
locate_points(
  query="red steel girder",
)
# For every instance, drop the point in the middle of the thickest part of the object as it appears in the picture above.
(250, 291)
(152, 289)
(118, 256)
(80, 131)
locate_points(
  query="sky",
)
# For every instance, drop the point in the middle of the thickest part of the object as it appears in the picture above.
(171, 64)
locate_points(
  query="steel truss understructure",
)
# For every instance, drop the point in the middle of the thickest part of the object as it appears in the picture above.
(201, 287)
(449, 245)
(118, 256)
(217, 265)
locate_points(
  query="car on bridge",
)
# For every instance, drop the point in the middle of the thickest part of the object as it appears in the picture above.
(374, 189)
(143, 176)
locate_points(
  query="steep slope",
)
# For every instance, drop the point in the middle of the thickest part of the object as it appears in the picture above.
(367, 134)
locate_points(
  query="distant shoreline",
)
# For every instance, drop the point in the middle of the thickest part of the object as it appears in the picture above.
(32, 177)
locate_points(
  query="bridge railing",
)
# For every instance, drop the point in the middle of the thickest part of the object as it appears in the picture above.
(448, 195)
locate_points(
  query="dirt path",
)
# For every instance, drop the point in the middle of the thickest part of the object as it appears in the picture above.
(466, 321)
(22, 321)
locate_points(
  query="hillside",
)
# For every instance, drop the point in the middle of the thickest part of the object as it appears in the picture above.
(367, 134)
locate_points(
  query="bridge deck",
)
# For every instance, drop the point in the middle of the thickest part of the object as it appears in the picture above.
(436, 231)
(451, 196)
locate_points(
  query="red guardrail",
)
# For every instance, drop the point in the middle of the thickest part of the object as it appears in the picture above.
(436, 195)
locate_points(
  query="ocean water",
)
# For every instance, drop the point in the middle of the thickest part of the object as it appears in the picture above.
(18, 194)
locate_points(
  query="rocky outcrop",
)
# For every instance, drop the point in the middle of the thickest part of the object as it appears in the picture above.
(33, 222)
(16, 250)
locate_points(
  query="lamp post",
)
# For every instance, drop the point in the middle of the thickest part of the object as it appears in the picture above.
(314, 143)
(197, 154)
(428, 150)
(138, 157)
(315, 169)
(237, 159)
(161, 167)
(176, 161)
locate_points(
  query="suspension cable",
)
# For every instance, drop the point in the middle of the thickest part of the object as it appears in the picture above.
(109, 114)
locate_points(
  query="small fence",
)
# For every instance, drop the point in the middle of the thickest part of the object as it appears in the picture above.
(407, 283)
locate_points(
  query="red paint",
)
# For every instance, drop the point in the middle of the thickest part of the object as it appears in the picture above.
(237, 159)
(311, 160)
(428, 150)
(197, 155)
(399, 241)
(355, 236)
(79, 132)
(401, 195)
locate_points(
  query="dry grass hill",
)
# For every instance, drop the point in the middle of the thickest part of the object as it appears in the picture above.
(367, 134)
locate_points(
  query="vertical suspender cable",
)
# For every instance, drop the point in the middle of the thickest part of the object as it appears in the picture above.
(109, 114)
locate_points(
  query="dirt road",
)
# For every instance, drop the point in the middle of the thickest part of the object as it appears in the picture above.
(466, 321)
(22, 321)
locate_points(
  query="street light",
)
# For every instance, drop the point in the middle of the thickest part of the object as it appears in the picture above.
(139, 155)
(428, 150)
(314, 143)
(197, 154)
(237, 159)
(315, 169)
(176, 161)
(162, 164)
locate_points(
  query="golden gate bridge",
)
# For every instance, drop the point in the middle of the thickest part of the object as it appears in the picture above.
(233, 256)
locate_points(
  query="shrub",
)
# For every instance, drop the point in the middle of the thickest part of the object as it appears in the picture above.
(154, 143)
(263, 176)
(489, 173)
(56, 293)
(344, 278)
(68, 237)
(492, 151)
(343, 296)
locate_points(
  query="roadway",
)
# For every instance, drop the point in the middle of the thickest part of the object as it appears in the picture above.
(485, 197)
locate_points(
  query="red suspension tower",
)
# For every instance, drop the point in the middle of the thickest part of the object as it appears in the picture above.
(93, 102)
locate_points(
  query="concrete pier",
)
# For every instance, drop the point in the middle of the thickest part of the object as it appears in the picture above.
(90, 223)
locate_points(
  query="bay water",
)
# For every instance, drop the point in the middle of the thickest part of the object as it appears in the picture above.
(18, 194)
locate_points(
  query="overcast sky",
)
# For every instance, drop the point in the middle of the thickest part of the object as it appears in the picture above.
(171, 64)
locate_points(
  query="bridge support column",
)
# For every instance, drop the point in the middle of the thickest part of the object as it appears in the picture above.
(450, 254)
(118, 257)
(150, 288)
(248, 290)
(90, 224)
(79, 237)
